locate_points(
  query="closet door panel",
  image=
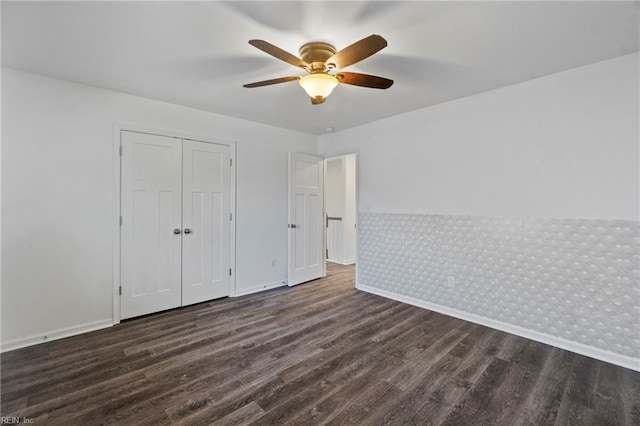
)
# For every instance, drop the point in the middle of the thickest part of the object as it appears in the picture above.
(151, 208)
(206, 221)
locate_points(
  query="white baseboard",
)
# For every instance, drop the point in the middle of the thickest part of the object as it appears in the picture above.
(580, 348)
(348, 262)
(55, 334)
(259, 288)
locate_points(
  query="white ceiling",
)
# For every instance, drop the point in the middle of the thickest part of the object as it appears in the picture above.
(196, 53)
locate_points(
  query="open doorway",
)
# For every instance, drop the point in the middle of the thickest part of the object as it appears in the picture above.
(340, 214)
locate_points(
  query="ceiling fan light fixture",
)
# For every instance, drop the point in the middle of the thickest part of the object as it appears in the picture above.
(318, 85)
(318, 59)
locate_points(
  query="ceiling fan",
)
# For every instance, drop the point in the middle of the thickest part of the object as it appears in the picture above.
(319, 59)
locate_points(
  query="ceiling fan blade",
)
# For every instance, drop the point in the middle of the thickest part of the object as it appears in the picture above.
(275, 51)
(364, 80)
(318, 100)
(269, 82)
(357, 51)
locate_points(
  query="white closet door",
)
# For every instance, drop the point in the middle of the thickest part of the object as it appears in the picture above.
(151, 212)
(206, 222)
(306, 224)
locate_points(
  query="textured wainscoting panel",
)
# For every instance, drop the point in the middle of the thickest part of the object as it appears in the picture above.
(570, 278)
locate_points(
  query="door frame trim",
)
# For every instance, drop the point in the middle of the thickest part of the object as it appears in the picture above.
(118, 128)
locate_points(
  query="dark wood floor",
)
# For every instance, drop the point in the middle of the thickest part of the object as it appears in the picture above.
(319, 353)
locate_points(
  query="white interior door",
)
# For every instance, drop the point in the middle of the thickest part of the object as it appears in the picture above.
(151, 221)
(306, 211)
(206, 221)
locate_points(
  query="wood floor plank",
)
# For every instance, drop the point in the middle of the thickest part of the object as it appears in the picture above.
(543, 401)
(319, 353)
(371, 397)
(76, 403)
(425, 391)
(418, 364)
(349, 380)
(148, 397)
(609, 407)
(447, 395)
(511, 395)
(242, 416)
(631, 384)
(480, 394)
(359, 376)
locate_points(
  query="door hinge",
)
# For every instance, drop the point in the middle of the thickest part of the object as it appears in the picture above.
(229, 271)
(231, 161)
(121, 150)
(230, 216)
(120, 291)
(120, 220)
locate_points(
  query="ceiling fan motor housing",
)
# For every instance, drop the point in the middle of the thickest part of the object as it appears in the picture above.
(315, 54)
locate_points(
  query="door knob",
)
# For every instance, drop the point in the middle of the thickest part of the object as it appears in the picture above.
(292, 225)
(187, 230)
(176, 231)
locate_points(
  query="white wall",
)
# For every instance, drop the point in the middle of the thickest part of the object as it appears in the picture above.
(57, 167)
(349, 219)
(527, 196)
(565, 145)
(334, 187)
